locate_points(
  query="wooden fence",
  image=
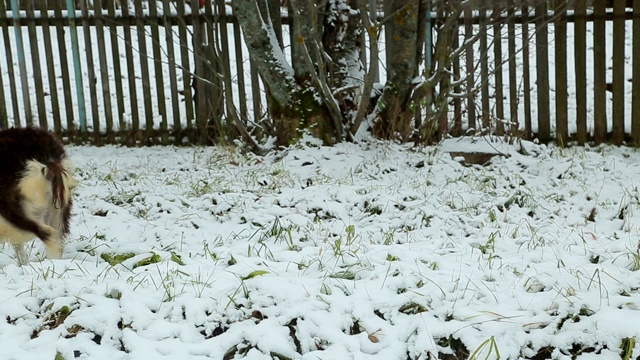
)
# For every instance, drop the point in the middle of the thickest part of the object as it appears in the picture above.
(600, 104)
(127, 71)
(115, 70)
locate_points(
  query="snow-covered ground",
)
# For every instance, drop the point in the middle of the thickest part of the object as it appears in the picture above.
(369, 251)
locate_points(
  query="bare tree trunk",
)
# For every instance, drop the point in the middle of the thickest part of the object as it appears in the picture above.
(287, 101)
(342, 41)
(321, 116)
(321, 86)
(404, 40)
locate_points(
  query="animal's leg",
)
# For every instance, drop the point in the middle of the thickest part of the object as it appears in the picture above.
(52, 241)
(55, 219)
(21, 256)
(54, 248)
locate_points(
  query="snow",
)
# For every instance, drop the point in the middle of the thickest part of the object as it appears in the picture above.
(369, 251)
(357, 251)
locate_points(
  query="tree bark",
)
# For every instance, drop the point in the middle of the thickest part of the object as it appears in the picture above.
(404, 29)
(342, 41)
(263, 47)
(288, 103)
(322, 87)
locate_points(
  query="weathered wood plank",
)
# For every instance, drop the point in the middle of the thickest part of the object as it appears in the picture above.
(93, 94)
(186, 66)
(131, 77)
(158, 60)
(64, 64)
(635, 92)
(242, 91)
(200, 100)
(173, 80)
(542, 73)
(104, 70)
(560, 39)
(22, 66)
(274, 8)
(470, 69)
(51, 70)
(580, 68)
(618, 72)
(497, 55)
(225, 64)
(37, 69)
(216, 68)
(10, 71)
(526, 75)
(599, 76)
(255, 92)
(484, 68)
(144, 69)
(117, 68)
(513, 70)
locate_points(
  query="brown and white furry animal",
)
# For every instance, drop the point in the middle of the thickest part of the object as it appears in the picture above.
(36, 184)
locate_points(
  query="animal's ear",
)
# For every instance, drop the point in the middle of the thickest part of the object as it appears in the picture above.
(43, 170)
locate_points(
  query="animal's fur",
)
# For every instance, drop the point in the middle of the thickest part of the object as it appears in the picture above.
(36, 184)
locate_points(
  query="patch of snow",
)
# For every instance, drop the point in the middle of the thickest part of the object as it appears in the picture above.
(372, 251)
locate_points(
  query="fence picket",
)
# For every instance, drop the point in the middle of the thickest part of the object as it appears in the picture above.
(131, 77)
(542, 72)
(497, 55)
(513, 69)
(484, 68)
(580, 67)
(217, 69)
(144, 70)
(255, 91)
(158, 60)
(22, 65)
(4, 121)
(599, 68)
(618, 72)
(526, 75)
(93, 95)
(173, 80)
(560, 39)
(470, 68)
(242, 91)
(226, 51)
(274, 8)
(186, 66)
(104, 70)
(64, 64)
(51, 71)
(635, 97)
(117, 71)
(35, 63)
(200, 99)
